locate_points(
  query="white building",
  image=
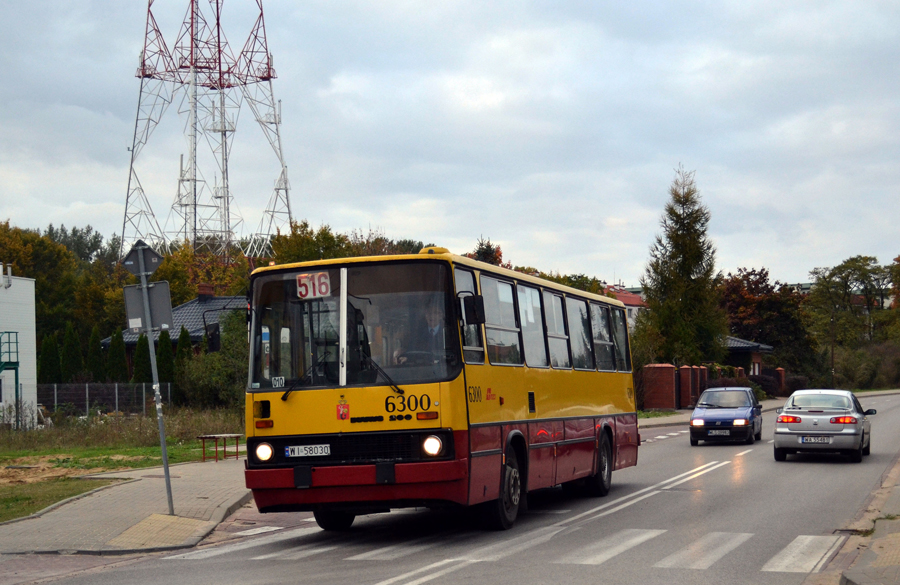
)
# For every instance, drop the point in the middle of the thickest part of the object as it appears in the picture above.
(18, 345)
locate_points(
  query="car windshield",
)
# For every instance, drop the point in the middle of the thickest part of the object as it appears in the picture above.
(820, 401)
(399, 325)
(724, 399)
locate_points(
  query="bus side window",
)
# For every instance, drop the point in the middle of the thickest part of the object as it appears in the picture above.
(473, 347)
(580, 329)
(557, 339)
(500, 326)
(623, 356)
(603, 345)
(532, 321)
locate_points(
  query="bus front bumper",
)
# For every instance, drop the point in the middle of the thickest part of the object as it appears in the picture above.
(395, 485)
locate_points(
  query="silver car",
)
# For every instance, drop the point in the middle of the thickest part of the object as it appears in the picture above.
(821, 421)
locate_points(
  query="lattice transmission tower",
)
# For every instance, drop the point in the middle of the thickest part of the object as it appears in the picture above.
(212, 83)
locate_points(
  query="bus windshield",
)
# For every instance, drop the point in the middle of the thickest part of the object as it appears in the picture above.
(399, 324)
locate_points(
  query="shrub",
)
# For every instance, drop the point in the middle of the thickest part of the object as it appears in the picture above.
(794, 383)
(768, 384)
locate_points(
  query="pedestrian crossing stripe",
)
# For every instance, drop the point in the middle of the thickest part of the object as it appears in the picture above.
(805, 554)
(702, 553)
(607, 548)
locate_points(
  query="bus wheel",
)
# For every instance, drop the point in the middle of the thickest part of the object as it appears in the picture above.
(599, 483)
(334, 519)
(503, 511)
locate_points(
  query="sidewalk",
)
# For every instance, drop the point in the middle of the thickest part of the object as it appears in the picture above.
(133, 516)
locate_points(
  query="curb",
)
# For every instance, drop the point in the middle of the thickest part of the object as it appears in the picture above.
(218, 517)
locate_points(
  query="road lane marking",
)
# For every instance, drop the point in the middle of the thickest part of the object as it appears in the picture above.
(625, 505)
(402, 549)
(772, 441)
(661, 437)
(804, 554)
(514, 545)
(698, 474)
(673, 434)
(606, 548)
(294, 554)
(623, 498)
(260, 530)
(704, 552)
(229, 548)
(743, 452)
(405, 576)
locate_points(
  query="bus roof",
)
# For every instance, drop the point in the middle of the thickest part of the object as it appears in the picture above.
(444, 255)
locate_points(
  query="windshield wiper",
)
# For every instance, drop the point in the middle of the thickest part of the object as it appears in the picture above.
(378, 369)
(308, 374)
(707, 405)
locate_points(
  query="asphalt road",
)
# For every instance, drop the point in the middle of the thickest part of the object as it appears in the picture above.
(716, 513)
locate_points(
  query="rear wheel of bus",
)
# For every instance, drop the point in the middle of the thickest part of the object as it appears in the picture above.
(503, 511)
(334, 519)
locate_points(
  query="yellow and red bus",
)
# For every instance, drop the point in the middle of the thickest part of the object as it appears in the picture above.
(430, 380)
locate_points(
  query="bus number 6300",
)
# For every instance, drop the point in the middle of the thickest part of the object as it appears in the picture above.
(403, 403)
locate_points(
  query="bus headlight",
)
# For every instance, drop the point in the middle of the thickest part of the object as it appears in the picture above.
(264, 451)
(432, 445)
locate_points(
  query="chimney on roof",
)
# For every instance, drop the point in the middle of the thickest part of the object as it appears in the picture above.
(204, 292)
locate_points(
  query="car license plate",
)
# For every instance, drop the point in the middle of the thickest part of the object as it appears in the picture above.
(720, 433)
(307, 451)
(815, 439)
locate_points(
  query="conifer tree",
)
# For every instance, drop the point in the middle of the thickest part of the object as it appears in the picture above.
(142, 371)
(48, 370)
(117, 364)
(165, 358)
(183, 352)
(71, 363)
(681, 285)
(95, 362)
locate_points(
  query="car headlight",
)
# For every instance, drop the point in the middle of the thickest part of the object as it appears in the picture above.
(264, 451)
(740, 422)
(432, 445)
(697, 422)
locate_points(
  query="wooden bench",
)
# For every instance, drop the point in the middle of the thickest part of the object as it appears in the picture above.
(224, 438)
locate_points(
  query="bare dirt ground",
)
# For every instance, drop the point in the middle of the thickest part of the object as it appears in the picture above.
(34, 469)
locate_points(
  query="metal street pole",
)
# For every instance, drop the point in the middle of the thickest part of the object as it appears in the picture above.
(156, 395)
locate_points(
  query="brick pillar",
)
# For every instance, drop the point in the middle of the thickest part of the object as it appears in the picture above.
(739, 373)
(659, 386)
(695, 384)
(684, 378)
(779, 378)
(704, 378)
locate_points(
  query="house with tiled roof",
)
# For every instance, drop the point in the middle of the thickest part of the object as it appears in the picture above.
(194, 315)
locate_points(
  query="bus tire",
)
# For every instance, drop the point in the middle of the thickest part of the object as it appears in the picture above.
(503, 511)
(600, 483)
(334, 520)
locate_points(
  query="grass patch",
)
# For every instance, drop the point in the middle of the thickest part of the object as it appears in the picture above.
(656, 413)
(20, 500)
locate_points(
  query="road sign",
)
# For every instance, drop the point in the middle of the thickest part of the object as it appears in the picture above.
(160, 306)
(132, 263)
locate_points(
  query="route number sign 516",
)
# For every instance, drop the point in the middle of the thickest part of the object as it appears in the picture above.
(313, 285)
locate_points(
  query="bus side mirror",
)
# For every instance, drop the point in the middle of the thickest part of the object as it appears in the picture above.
(213, 341)
(474, 307)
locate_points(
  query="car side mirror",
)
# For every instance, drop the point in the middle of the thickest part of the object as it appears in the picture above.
(870, 412)
(778, 410)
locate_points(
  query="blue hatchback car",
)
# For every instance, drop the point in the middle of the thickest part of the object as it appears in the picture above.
(727, 414)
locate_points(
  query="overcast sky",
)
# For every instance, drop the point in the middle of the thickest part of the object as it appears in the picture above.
(552, 128)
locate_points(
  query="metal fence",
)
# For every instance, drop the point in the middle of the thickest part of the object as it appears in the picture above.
(105, 398)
